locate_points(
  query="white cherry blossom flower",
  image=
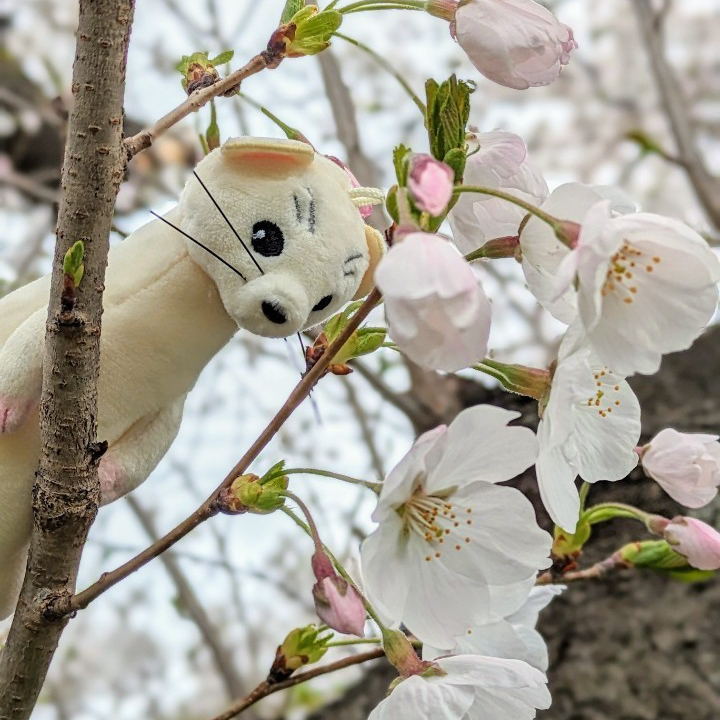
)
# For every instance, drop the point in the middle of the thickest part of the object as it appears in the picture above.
(590, 427)
(436, 309)
(646, 286)
(515, 43)
(449, 539)
(500, 162)
(511, 637)
(468, 687)
(542, 252)
(685, 465)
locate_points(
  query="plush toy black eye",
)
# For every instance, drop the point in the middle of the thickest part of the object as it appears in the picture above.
(323, 303)
(267, 239)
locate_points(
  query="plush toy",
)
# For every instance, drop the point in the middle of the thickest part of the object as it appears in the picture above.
(266, 236)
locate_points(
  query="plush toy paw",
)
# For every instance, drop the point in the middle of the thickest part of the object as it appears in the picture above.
(13, 413)
(113, 480)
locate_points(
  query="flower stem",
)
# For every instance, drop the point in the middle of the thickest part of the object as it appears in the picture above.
(338, 476)
(554, 222)
(338, 566)
(380, 60)
(608, 511)
(584, 490)
(360, 641)
(291, 132)
(361, 5)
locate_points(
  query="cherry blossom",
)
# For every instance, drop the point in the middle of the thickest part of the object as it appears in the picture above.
(449, 539)
(543, 252)
(430, 183)
(511, 637)
(436, 310)
(499, 160)
(516, 43)
(696, 540)
(685, 465)
(468, 687)
(590, 427)
(646, 286)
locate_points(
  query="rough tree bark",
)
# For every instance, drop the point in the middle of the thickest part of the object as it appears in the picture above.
(66, 490)
(633, 645)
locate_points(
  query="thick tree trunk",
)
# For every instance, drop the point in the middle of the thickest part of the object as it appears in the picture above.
(634, 645)
(66, 491)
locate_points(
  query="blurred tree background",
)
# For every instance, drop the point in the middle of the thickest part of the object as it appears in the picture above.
(638, 106)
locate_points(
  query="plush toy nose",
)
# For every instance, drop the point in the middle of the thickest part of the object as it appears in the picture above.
(273, 312)
(274, 305)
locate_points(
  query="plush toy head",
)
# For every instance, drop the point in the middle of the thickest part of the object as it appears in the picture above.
(292, 230)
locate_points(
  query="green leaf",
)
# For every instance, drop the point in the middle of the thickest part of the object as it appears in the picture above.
(292, 7)
(401, 160)
(223, 57)
(73, 262)
(448, 111)
(212, 135)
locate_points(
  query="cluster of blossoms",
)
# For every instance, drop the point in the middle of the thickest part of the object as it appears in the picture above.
(455, 556)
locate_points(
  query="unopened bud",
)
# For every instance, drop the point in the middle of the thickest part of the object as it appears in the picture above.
(253, 494)
(198, 70)
(302, 646)
(337, 603)
(520, 379)
(430, 183)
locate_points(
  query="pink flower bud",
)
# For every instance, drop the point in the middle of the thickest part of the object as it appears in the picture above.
(516, 43)
(696, 540)
(337, 603)
(431, 184)
(685, 465)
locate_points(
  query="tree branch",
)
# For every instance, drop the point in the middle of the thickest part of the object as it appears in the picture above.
(66, 490)
(265, 688)
(707, 187)
(144, 139)
(209, 507)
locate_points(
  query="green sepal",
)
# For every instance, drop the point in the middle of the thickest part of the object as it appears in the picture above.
(567, 545)
(73, 262)
(658, 555)
(391, 203)
(313, 31)
(292, 7)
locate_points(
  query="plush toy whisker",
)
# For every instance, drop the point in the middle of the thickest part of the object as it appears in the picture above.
(227, 220)
(199, 244)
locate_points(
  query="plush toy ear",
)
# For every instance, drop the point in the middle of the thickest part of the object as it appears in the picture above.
(376, 248)
(267, 150)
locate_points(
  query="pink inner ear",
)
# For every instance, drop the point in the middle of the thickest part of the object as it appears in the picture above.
(264, 157)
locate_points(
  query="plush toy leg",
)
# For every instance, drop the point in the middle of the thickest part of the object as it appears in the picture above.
(130, 460)
(21, 372)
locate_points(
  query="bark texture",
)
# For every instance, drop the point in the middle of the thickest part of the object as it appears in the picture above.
(66, 491)
(633, 645)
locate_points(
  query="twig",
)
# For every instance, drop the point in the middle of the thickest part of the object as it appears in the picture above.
(707, 187)
(209, 507)
(594, 572)
(144, 139)
(265, 688)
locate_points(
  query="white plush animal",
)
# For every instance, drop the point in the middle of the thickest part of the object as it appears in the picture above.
(284, 248)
